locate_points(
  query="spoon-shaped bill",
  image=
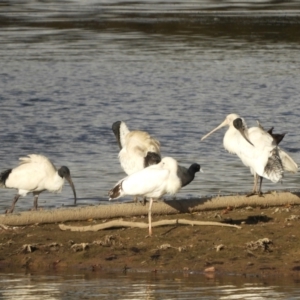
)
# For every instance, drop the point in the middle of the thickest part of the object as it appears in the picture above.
(224, 123)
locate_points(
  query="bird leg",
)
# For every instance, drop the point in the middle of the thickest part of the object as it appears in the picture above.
(35, 201)
(149, 216)
(9, 211)
(254, 190)
(136, 200)
(143, 202)
(259, 192)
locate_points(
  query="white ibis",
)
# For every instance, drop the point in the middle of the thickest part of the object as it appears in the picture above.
(257, 149)
(153, 182)
(138, 149)
(35, 174)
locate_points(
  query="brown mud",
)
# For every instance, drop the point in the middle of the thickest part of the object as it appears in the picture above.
(267, 244)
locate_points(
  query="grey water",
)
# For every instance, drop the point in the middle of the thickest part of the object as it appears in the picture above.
(69, 69)
(142, 286)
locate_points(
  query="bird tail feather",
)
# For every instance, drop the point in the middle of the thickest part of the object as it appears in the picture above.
(288, 163)
(274, 168)
(116, 191)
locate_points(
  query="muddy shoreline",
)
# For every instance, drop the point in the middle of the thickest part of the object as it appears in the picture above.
(266, 245)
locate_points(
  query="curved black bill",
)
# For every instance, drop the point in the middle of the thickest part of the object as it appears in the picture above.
(68, 178)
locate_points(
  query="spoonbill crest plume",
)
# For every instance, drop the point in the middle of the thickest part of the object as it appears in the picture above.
(138, 149)
(257, 149)
(154, 182)
(35, 174)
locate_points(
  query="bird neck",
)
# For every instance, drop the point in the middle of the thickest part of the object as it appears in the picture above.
(56, 183)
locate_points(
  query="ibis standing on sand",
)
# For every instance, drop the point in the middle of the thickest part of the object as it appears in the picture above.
(153, 182)
(257, 149)
(35, 174)
(138, 149)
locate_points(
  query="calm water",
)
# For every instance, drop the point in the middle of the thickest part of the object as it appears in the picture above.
(69, 69)
(175, 68)
(143, 286)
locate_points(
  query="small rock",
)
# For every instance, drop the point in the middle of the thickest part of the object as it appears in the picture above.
(28, 248)
(261, 243)
(181, 249)
(164, 246)
(108, 241)
(79, 247)
(219, 247)
(292, 218)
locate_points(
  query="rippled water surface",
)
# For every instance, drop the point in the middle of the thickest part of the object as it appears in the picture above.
(174, 68)
(142, 286)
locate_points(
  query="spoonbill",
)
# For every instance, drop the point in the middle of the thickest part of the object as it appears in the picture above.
(35, 174)
(257, 149)
(138, 149)
(153, 181)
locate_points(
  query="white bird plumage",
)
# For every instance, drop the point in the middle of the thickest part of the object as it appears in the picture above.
(35, 173)
(137, 148)
(257, 149)
(154, 182)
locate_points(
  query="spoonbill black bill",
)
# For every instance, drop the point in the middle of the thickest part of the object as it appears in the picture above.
(153, 182)
(35, 174)
(257, 149)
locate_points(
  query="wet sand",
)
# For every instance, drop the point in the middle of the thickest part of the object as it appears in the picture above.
(266, 245)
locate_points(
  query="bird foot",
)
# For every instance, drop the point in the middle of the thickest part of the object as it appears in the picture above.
(36, 209)
(259, 194)
(250, 194)
(138, 202)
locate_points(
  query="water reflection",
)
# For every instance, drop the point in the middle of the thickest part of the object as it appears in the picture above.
(142, 286)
